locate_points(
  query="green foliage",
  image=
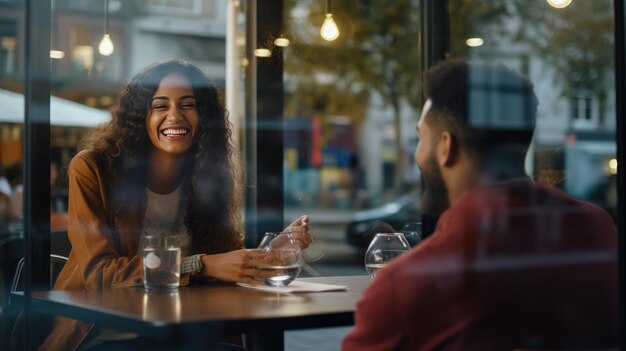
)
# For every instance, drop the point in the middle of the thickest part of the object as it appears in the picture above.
(377, 51)
(576, 41)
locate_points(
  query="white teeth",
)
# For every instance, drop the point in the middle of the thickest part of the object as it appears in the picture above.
(175, 132)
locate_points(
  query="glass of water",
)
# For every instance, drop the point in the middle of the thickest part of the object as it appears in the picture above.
(283, 261)
(384, 248)
(161, 262)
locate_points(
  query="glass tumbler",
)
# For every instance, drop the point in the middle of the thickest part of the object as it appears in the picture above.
(384, 248)
(412, 232)
(161, 262)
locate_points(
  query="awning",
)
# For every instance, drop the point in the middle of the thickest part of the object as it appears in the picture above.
(62, 112)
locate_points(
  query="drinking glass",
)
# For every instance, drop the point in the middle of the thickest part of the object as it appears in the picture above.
(161, 262)
(284, 258)
(384, 248)
(312, 253)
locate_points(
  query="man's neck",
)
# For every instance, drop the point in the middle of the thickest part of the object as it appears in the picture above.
(460, 183)
(464, 180)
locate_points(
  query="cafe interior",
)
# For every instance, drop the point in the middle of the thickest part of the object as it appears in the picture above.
(322, 98)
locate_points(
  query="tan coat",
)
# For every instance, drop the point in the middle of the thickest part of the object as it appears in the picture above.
(103, 256)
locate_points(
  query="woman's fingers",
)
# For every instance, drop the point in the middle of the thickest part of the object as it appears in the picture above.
(299, 229)
(262, 258)
(300, 222)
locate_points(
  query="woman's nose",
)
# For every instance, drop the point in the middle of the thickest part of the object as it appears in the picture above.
(174, 114)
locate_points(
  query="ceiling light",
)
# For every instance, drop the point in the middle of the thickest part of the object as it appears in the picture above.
(474, 42)
(262, 53)
(559, 4)
(106, 47)
(329, 30)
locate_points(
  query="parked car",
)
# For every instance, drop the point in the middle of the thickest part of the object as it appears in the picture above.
(402, 214)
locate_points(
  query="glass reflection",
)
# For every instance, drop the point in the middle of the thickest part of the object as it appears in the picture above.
(572, 71)
(161, 306)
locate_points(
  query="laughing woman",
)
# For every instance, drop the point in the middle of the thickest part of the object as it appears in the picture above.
(162, 165)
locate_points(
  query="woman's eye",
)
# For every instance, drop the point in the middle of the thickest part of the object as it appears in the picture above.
(159, 107)
(188, 106)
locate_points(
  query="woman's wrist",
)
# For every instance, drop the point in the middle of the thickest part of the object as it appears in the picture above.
(192, 264)
(205, 262)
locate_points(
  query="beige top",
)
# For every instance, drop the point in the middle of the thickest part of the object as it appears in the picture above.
(165, 216)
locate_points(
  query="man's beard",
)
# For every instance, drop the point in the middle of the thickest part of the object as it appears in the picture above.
(435, 196)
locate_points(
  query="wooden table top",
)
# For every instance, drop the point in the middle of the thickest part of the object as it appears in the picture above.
(224, 305)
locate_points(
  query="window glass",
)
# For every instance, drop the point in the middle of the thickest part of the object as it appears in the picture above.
(11, 115)
(568, 54)
(85, 76)
(351, 106)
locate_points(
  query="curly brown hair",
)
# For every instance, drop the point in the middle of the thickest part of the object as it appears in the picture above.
(211, 183)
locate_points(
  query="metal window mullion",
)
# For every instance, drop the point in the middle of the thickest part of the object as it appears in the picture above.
(434, 47)
(620, 110)
(36, 157)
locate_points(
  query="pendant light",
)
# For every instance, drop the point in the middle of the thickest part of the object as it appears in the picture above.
(106, 44)
(54, 53)
(559, 4)
(329, 30)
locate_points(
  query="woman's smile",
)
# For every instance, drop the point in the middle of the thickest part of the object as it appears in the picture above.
(173, 132)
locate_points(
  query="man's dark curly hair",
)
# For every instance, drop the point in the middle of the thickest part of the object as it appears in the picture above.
(211, 180)
(487, 108)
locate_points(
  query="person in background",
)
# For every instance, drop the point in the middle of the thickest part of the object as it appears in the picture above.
(5, 204)
(14, 176)
(163, 165)
(511, 264)
(58, 207)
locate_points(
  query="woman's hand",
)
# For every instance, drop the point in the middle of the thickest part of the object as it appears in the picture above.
(237, 266)
(299, 229)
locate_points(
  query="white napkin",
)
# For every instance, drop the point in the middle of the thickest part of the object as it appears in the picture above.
(297, 286)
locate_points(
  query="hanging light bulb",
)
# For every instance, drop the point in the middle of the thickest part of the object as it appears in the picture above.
(474, 42)
(282, 42)
(106, 47)
(329, 30)
(57, 54)
(54, 53)
(559, 4)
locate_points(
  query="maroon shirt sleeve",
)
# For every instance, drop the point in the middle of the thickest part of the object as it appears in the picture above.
(376, 323)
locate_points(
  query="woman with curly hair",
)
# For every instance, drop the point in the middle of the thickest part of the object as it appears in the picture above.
(162, 165)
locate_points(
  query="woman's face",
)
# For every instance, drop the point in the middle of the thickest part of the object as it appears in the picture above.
(173, 118)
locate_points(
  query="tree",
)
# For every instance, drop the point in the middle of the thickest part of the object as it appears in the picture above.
(577, 41)
(378, 50)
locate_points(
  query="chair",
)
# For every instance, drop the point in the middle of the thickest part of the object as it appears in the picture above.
(56, 264)
(11, 250)
(60, 243)
(10, 316)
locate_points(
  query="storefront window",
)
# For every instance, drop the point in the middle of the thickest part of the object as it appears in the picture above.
(572, 71)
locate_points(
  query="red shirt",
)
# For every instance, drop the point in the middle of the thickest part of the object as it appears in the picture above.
(514, 265)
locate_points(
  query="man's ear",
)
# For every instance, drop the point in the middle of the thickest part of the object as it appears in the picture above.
(447, 149)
